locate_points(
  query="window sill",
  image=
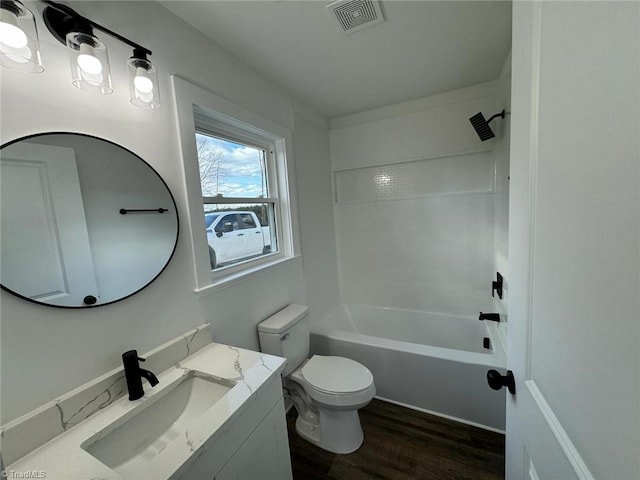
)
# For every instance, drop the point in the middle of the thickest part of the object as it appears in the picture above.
(244, 275)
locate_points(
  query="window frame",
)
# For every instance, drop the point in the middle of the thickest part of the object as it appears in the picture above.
(198, 110)
(208, 126)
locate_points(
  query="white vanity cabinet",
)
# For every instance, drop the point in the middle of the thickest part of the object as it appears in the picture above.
(255, 445)
(265, 454)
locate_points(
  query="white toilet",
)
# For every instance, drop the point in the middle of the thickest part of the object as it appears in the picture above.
(326, 391)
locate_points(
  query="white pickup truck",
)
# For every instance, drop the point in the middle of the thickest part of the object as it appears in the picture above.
(235, 236)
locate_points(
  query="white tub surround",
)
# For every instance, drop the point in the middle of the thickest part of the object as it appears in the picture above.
(414, 192)
(431, 362)
(253, 379)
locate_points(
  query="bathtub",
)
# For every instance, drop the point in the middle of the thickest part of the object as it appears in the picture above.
(435, 363)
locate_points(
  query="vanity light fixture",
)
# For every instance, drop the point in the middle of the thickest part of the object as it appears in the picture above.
(89, 60)
(88, 56)
(143, 80)
(19, 46)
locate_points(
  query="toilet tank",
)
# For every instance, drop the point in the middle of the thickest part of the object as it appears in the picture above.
(286, 334)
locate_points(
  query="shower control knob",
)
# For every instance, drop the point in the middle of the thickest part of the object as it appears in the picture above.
(497, 381)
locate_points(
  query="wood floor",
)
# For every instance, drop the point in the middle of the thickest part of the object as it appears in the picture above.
(403, 444)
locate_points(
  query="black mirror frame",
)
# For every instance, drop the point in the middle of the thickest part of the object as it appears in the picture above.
(153, 170)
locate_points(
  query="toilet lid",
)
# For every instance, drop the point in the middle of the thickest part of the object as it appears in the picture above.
(336, 374)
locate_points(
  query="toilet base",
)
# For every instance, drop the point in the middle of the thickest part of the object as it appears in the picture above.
(307, 430)
(339, 431)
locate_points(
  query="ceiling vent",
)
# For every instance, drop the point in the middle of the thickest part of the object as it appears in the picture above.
(354, 15)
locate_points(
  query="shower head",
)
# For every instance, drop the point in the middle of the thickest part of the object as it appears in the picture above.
(481, 125)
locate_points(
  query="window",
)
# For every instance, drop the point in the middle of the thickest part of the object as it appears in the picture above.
(237, 199)
(242, 216)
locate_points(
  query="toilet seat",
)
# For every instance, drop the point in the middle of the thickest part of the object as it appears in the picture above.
(336, 381)
(336, 374)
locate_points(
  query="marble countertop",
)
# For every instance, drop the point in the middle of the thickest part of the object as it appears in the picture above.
(63, 458)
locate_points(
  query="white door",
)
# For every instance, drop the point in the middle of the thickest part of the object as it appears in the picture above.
(574, 242)
(45, 244)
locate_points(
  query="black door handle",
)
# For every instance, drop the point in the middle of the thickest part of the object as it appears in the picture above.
(497, 381)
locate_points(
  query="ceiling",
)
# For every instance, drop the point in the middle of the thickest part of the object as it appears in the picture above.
(422, 48)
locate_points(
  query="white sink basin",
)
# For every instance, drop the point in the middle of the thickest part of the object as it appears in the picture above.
(141, 435)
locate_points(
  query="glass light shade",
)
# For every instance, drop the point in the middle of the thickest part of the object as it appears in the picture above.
(143, 83)
(89, 63)
(19, 46)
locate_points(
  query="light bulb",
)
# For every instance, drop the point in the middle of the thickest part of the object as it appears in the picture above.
(143, 85)
(142, 82)
(89, 64)
(90, 69)
(10, 33)
(87, 61)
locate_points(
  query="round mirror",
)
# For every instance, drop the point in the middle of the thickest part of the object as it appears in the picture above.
(84, 222)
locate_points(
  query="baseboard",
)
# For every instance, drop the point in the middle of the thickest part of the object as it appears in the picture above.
(438, 414)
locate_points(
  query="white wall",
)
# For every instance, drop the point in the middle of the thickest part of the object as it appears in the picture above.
(47, 351)
(414, 204)
(316, 220)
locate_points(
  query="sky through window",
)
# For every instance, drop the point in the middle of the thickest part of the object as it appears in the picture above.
(230, 169)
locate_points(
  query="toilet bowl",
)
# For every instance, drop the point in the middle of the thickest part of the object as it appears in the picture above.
(326, 391)
(337, 387)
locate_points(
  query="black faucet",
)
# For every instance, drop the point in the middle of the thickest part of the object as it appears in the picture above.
(489, 316)
(133, 373)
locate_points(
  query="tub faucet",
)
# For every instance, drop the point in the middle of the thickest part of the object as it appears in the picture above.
(489, 316)
(133, 373)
